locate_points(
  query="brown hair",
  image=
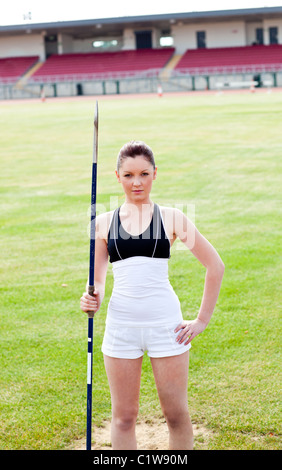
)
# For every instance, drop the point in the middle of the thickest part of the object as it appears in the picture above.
(133, 149)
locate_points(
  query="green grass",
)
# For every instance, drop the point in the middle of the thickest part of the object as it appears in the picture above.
(218, 154)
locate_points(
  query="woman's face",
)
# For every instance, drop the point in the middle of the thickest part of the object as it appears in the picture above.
(136, 176)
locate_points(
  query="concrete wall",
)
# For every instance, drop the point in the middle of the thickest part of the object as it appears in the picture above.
(94, 88)
(228, 34)
(25, 45)
(128, 39)
(65, 43)
(268, 24)
(251, 31)
(225, 34)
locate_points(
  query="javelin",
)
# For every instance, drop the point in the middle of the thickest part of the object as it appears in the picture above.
(91, 287)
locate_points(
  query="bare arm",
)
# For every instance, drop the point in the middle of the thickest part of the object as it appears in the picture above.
(210, 259)
(87, 302)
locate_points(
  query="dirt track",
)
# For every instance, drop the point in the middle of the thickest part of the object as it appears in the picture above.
(150, 436)
(138, 96)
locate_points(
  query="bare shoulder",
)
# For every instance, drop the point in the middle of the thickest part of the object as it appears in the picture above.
(103, 224)
(166, 211)
(171, 215)
(178, 225)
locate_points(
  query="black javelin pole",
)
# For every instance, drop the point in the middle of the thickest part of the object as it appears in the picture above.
(91, 287)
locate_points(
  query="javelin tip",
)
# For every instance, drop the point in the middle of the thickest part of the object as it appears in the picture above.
(96, 115)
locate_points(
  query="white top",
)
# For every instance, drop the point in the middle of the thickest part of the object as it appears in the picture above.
(142, 294)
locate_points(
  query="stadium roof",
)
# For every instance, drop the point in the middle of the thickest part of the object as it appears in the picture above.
(113, 26)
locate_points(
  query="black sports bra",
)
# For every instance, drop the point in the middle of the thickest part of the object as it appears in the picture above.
(152, 243)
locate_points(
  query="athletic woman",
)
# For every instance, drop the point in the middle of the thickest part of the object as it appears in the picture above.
(144, 313)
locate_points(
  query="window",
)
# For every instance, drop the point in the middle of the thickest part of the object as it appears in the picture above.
(273, 35)
(201, 39)
(259, 36)
(100, 44)
(166, 41)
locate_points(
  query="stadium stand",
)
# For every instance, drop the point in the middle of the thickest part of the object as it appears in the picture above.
(103, 65)
(242, 46)
(12, 68)
(231, 59)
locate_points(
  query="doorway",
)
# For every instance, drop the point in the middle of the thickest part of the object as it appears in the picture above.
(143, 39)
(201, 39)
(51, 45)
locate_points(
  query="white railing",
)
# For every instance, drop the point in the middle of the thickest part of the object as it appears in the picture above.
(9, 80)
(150, 73)
(227, 69)
(85, 77)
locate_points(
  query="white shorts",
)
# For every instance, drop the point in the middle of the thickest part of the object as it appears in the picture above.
(131, 342)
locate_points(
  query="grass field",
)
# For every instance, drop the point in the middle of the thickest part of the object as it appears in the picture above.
(218, 153)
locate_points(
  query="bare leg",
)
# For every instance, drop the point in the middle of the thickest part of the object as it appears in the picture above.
(124, 380)
(171, 376)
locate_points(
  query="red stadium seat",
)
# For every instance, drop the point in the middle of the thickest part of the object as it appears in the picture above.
(12, 68)
(103, 65)
(230, 59)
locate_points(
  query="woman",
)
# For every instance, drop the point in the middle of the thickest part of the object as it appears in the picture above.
(144, 312)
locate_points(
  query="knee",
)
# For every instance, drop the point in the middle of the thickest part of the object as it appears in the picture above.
(126, 420)
(176, 418)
